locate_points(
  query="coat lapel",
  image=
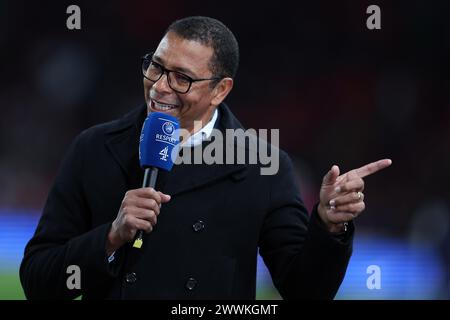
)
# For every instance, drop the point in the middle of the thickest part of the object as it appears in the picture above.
(186, 177)
(123, 143)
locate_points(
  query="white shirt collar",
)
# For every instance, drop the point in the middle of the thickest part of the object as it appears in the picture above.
(201, 135)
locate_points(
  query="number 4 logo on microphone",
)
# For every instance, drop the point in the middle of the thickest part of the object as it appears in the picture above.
(164, 153)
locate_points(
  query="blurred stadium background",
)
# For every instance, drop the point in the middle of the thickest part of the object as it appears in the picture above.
(339, 93)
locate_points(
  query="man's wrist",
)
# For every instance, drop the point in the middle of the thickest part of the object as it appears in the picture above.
(112, 242)
(337, 228)
(333, 228)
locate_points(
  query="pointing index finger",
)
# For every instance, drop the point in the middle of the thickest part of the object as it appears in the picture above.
(373, 167)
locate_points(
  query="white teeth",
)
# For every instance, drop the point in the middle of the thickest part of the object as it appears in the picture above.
(162, 107)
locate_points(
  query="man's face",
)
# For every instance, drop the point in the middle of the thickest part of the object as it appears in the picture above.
(190, 58)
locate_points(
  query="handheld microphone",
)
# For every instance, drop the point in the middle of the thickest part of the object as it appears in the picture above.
(159, 137)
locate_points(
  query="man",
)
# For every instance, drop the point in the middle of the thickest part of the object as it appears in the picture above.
(204, 223)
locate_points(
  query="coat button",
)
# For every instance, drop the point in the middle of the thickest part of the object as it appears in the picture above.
(198, 226)
(130, 277)
(191, 283)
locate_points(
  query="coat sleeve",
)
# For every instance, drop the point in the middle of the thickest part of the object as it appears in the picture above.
(64, 237)
(303, 258)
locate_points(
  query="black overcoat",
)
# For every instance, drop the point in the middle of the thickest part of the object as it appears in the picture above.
(206, 240)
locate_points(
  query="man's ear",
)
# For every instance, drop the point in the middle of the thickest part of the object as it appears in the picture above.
(221, 90)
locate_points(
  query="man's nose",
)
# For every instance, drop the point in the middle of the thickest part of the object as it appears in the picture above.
(162, 85)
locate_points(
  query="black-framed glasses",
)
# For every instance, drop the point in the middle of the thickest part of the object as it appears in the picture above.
(178, 81)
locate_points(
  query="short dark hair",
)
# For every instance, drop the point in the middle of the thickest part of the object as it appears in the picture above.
(211, 32)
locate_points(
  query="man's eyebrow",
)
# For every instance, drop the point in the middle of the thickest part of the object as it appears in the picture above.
(178, 69)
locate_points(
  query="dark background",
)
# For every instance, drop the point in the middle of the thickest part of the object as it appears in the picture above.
(338, 92)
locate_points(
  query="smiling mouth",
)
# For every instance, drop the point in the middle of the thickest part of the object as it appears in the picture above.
(159, 106)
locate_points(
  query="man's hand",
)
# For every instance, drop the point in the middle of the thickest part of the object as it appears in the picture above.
(341, 197)
(139, 211)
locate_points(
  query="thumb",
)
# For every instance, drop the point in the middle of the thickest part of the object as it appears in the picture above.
(164, 197)
(331, 176)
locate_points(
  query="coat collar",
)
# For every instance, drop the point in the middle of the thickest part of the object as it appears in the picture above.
(123, 142)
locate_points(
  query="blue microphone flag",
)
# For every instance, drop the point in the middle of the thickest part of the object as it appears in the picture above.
(159, 137)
